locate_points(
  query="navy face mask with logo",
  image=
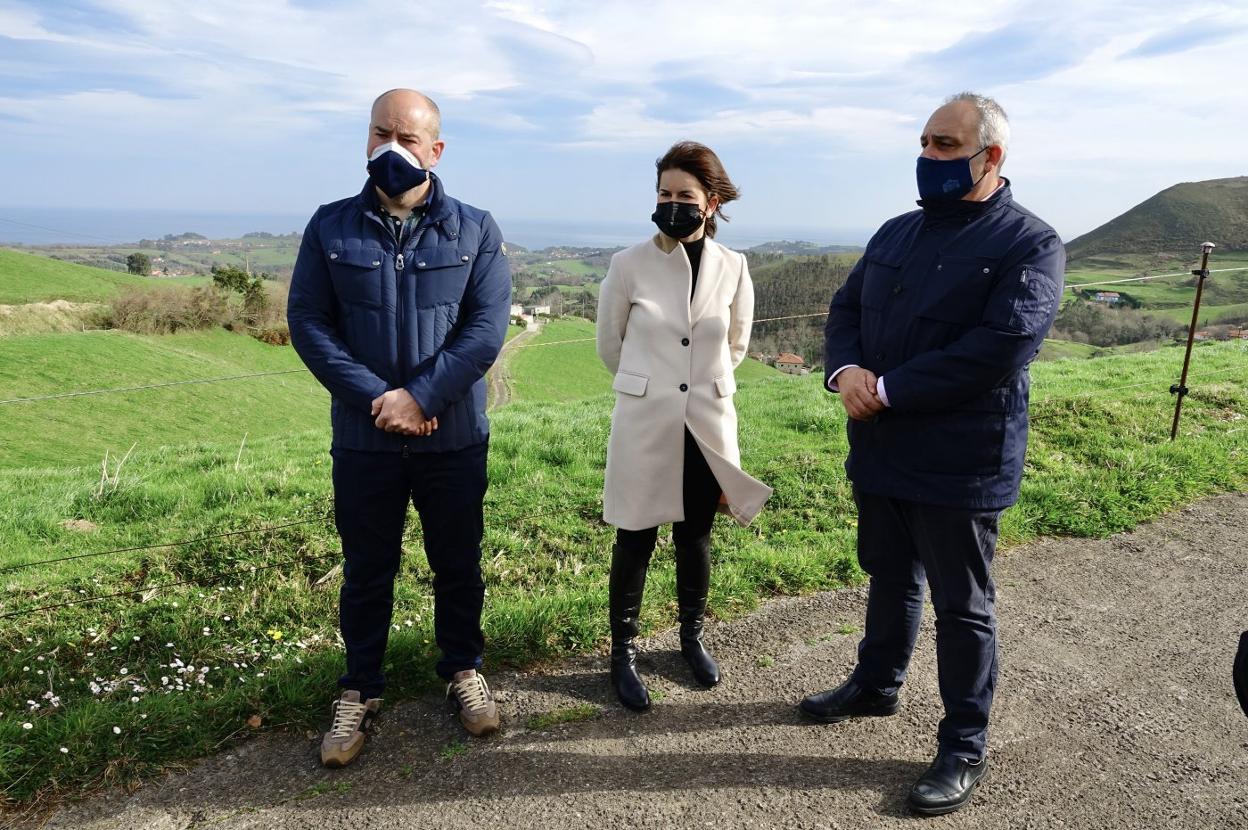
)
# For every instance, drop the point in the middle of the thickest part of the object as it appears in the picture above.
(945, 180)
(395, 170)
(677, 219)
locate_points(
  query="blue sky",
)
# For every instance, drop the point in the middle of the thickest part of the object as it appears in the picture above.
(554, 111)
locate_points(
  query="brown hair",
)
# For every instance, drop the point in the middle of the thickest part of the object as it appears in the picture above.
(700, 161)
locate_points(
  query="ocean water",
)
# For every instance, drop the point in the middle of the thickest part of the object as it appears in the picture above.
(77, 226)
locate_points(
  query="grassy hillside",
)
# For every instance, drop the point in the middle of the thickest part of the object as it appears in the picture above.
(254, 631)
(27, 278)
(1176, 220)
(1225, 294)
(79, 430)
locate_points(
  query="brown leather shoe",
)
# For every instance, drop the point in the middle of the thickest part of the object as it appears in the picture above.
(471, 697)
(345, 738)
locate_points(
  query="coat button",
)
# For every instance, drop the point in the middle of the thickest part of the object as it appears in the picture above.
(879, 355)
(420, 265)
(463, 258)
(684, 387)
(897, 288)
(939, 267)
(986, 270)
(684, 341)
(333, 256)
(376, 262)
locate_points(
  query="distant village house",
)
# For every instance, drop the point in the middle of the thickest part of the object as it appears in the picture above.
(792, 364)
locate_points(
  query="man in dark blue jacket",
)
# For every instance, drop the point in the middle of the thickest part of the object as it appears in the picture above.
(398, 305)
(928, 343)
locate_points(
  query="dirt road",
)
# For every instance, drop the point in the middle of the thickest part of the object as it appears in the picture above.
(498, 377)
(1114, 710)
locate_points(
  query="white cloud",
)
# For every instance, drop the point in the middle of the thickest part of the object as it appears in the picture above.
(1108, 92)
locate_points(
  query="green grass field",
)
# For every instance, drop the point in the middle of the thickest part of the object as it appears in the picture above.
(115, 690)
(132, 683)
(1225, 295)
(26, 278)
(79, 430)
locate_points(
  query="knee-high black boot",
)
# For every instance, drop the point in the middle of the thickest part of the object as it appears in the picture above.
(693, 580)
(628, 580)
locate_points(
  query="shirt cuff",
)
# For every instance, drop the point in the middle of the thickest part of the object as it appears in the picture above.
(832, 385)
(879, 390)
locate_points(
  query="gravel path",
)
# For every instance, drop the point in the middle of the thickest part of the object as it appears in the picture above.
(1114, 710)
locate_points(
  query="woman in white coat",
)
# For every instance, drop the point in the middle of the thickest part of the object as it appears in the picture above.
(674, 318)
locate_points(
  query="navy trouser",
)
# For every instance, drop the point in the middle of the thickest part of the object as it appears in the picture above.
(371, 493)
(900, 543)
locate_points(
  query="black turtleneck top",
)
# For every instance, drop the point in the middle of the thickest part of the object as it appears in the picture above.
(694, 252)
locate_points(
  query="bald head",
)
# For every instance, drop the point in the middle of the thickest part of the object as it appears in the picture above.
(412, 105)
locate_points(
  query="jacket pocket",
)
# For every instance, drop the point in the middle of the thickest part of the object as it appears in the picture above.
(958, 290)
(356, 275)
(880, 277)
(725, 385)
(1035, 302)
(441, 275)
(630, 384)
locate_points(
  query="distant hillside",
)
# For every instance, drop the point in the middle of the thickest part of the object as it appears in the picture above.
(799, 247)
(796, 289)
(1175, 221)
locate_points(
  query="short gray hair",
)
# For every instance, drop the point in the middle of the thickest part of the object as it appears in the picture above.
(994, 125)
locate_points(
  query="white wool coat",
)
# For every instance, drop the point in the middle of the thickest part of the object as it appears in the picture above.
(673, 361)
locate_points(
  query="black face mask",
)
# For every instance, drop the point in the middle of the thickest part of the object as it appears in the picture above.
(677, 219)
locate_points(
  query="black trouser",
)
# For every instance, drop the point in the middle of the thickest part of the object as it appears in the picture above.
(899, 544)
(701, 497)
(371, 493)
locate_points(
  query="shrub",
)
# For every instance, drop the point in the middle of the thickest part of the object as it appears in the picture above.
(168, 310)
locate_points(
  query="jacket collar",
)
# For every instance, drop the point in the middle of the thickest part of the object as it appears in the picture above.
(440, 208)
(960, 209)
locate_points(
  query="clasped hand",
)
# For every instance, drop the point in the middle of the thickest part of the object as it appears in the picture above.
(858, 393)
(397, 411)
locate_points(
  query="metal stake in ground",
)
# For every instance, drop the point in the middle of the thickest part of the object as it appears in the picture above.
(1181, 388)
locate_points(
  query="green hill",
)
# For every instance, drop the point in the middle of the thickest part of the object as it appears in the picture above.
(28, 278)
(1174, 222)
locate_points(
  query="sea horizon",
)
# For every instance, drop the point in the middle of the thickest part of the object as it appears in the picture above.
(85, 227)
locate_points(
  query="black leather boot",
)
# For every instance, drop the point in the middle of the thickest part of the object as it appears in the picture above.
(628, 580)
(693, 579)
(947, 785)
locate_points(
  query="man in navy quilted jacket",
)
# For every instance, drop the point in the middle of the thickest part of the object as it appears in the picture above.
(928, 344)
(398, 305)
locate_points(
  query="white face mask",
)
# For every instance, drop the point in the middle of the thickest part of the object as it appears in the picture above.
(396, 147)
